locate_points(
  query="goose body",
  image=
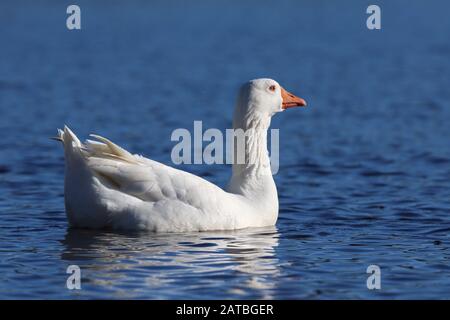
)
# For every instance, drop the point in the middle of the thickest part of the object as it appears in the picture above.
(108, 187)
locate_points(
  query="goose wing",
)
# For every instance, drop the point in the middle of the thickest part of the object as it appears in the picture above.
(146, 179)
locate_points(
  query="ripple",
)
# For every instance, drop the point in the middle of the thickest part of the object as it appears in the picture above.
(4, 169)
(357, 184)
(376, 173)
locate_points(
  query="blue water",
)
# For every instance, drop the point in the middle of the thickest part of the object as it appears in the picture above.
(364, 171)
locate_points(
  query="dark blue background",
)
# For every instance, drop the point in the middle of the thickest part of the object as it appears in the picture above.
(365, 170)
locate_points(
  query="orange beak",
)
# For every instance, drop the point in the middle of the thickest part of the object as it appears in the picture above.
(290, 101)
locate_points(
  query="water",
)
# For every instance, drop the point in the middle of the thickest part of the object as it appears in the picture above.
(363, 173)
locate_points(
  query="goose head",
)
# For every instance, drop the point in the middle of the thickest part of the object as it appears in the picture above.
(258, 100)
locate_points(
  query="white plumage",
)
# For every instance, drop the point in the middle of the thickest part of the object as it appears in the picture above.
(108, 187)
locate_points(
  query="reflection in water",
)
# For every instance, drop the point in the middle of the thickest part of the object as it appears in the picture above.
(196, 262)
(358, 184)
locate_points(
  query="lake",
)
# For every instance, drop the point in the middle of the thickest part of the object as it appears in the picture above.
(364, 170)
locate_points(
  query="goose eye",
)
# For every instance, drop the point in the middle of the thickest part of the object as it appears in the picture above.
(272, 88)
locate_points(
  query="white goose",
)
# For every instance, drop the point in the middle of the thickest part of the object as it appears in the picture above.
(108, 187)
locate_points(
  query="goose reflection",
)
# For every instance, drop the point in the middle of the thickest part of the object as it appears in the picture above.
(142, 265)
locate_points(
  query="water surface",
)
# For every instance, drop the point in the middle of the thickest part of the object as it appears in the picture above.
(364, 170)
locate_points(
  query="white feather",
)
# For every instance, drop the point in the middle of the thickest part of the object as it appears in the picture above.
(108, 187)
